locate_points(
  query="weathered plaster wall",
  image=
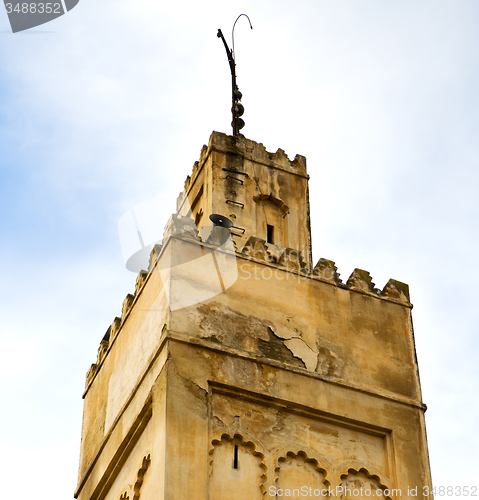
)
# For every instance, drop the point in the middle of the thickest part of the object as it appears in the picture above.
(283, 413)
(342, 334)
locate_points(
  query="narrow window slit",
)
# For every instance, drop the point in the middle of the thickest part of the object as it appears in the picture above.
(235, 460)
(269, 233)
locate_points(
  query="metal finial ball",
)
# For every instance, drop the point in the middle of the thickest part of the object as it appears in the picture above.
(239, 109)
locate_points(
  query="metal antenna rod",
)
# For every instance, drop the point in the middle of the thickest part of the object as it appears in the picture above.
(233, 32)
(237, 108)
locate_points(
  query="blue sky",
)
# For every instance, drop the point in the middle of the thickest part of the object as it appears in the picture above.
(110, 108)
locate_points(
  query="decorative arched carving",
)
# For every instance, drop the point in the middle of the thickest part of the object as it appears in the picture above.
(354, 476)
(273, 200)
(124, 496)
(140, 476)
(289, 258)
(256, 248)
(292, 259)
(298, 467)
(247, 460)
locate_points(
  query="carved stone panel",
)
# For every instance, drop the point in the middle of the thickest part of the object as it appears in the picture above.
(299, 476)
(277, 428)
(237, 471)
(256, 248)
(140, 477)
(361, 485)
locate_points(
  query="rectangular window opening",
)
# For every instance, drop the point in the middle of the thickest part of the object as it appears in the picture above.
(269, 233)
(235, 460)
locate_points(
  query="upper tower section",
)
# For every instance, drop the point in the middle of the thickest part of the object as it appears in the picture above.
(264, 194)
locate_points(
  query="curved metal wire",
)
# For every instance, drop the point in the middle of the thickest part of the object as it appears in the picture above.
(233, 33)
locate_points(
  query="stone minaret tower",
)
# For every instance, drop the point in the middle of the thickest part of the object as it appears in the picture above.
(238, 371)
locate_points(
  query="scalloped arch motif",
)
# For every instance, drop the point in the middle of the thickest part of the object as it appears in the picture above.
(299, 468)
(318, 463)
(247, 444)
(140, 476)
(360, 476)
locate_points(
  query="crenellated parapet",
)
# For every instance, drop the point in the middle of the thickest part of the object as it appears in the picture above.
(258, 250)
(140, 282)
(103, 348)
(127, 303)
(325, 270)
(115, 328)
(293, 260)
(154, 254)
(90, 374)
(362, 281)
(395, 290)
(249, 150)
(117, 324)
(256, 152)
(181, 227)
(289, 258)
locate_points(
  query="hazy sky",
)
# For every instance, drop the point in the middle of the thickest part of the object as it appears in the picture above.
(109, 106)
